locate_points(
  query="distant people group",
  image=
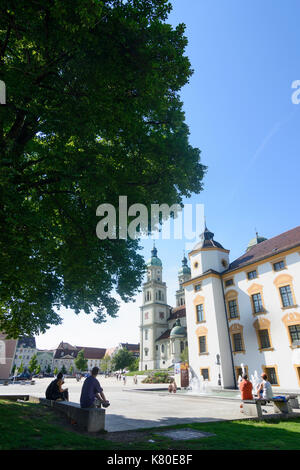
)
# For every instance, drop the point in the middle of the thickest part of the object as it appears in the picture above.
(263, 390)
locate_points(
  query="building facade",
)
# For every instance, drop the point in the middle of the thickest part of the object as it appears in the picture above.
(65, 355)
(235, 316)
(250, 315)
(7, 355)
(25, 350)
(45, 360)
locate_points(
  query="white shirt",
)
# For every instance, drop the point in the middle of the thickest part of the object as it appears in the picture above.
(267, 390)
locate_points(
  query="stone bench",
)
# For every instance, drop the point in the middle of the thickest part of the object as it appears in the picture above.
(91, 419)
(280, 406)
(293, 400)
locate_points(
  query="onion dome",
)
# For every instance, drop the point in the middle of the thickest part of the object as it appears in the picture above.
(178, 330)
(184, 268)
(154, 260)
(255, 241)
(207, 240)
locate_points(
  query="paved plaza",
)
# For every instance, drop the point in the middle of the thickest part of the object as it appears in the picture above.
(139, 406)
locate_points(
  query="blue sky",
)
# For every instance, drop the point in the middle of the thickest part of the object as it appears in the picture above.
(245, 56)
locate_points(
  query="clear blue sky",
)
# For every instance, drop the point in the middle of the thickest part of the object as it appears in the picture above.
(245, 56)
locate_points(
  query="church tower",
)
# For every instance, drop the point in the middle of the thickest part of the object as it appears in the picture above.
(153, 313)
(207, 323)
(184, 274)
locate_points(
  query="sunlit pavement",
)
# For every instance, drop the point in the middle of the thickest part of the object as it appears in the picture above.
(132, 408)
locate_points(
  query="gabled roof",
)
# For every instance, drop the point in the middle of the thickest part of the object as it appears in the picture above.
(67, 346)
(92, 353)
(67, 353)
(268, 248)
(130, 347)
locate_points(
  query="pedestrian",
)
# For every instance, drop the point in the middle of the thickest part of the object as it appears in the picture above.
(92, 395)
(245, 387)
(55, 391)
(172, 386)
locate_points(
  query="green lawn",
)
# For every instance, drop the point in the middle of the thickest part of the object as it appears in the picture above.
(32, 426)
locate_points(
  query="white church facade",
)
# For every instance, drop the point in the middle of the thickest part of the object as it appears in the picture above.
(243, 315)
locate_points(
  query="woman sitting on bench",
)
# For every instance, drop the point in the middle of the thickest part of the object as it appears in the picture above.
(264, 390)
(55, 391)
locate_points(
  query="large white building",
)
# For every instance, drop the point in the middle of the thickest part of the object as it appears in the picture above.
(239, 315)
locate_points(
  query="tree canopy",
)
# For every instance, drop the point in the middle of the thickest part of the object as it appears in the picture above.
(92, 112)
(80, 362)
(33, 363)
(123, 359)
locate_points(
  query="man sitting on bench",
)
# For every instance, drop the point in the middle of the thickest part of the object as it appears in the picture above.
(92, 395)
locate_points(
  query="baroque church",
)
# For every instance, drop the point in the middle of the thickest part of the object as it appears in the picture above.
(163, 333)
(235, 317)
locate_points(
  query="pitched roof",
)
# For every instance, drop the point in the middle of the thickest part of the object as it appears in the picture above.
(165, 335)
(67, 346)
(131, 347)
(62, 353)
(177, 312)
(92, 353)
(267, 248)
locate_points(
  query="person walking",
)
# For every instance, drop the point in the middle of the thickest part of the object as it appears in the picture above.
(92, 395)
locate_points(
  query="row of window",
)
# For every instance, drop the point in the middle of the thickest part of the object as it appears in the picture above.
(277, 266)
(263, 335)
(271, 372)
(163, 348)
(286, 296)
(161, 315)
